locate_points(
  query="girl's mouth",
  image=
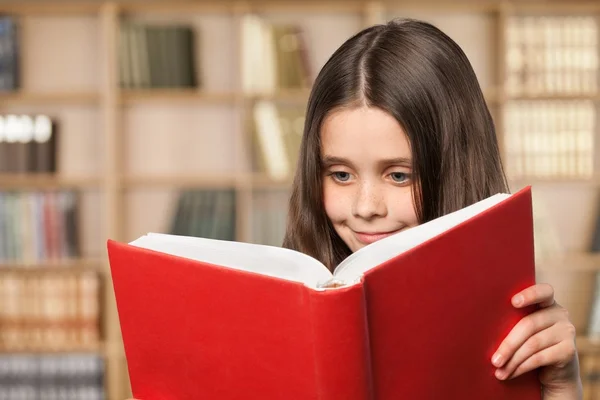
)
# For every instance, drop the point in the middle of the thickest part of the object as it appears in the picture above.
(370, 237)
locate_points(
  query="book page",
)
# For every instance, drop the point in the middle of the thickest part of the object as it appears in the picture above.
(351, 269)
(266, 260)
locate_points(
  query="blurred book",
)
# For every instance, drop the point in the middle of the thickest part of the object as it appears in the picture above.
(205, 213)
(49, 311)
(550, 138)
(38, 227)
(552, 54)
(28, 144)
(9, 54)
(75, 376)
(157, 56)
(274, 56)
(277, 130)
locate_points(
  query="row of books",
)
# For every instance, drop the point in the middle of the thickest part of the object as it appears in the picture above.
(277, 131)
(51, 377)
(549, 138)
(274, 56)
(9, 54)
(38, 227)
(27, 144)
(205, 213)
(552, 54)
(49, 311)
(211, 213)
(154, 56)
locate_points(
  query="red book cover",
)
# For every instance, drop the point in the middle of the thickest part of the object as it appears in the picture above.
(417, 315)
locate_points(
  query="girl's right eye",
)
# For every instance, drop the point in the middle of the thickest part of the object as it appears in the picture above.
(341, 176)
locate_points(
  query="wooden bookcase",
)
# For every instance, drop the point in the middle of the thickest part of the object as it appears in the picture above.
(129, 151)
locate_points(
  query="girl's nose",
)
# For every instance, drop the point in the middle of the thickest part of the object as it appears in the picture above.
(369, 202)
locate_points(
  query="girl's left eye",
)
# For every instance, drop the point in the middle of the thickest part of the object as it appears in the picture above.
(399, 177)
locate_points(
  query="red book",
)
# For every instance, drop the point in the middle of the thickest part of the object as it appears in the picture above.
(416, 315)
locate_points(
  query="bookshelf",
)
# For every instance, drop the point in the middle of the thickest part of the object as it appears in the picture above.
(129, 151)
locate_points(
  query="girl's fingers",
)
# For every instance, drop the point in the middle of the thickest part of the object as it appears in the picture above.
(559, 355)
(540, 341)
(542, 294)
(523, 330)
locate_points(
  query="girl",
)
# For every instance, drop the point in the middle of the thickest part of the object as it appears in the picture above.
(398, 133)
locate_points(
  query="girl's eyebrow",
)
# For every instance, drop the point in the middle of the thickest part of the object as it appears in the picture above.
(404, 161)
(328, 161)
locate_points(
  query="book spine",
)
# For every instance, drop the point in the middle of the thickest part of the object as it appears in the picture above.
(341, 343)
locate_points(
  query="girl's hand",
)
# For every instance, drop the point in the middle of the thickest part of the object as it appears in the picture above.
(544, 339)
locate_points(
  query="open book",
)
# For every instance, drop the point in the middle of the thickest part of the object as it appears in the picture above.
(289, 264)
(415, 315)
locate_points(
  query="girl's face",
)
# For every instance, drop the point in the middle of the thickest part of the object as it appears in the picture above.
(367, 182)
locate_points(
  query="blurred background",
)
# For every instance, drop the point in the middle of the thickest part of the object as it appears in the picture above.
(125, 117)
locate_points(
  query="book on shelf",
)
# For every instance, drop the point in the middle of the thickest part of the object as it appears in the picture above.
(28, 144)
(203, 318)
(38, 227)
(9, 54)
(49, 311)
(552, 54)
(157, 56)
(277, 130)
(52, 376)
(206, 213)
(274, 56)
(550, 138)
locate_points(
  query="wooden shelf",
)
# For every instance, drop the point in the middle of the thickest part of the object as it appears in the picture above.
(554, 180)
(28, 98)
(68, 7)
(73, 265)
(444, 6)
(264, 182)
(283, 95)
(99, 349)
(58, 7)
(551, 97)
(232, 180)
(46, 181)
(175, 95)
(181, 181)
(316, 6)
(175, 6)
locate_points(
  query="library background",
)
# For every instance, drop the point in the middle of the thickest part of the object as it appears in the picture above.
(125, 117)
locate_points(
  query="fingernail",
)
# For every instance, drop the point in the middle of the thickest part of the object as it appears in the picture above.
(497, 359)
(499, 374)
(518, 300)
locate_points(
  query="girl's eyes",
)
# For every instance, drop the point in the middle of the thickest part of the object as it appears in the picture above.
(341, 176)
(399, 177)
(344, 177)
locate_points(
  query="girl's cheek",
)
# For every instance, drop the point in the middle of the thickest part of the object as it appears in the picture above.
(401, 207)
(335, 202)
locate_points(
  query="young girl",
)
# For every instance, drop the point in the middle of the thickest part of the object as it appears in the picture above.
(398, 133)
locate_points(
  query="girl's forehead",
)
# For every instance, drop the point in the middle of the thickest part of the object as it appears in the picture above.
(364, 131)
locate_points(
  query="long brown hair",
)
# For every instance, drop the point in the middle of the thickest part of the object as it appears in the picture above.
(416, 73)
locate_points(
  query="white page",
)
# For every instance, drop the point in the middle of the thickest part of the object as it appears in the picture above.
(352, 268)
(267, 260)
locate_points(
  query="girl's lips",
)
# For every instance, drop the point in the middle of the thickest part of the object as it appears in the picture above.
(368, 237)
